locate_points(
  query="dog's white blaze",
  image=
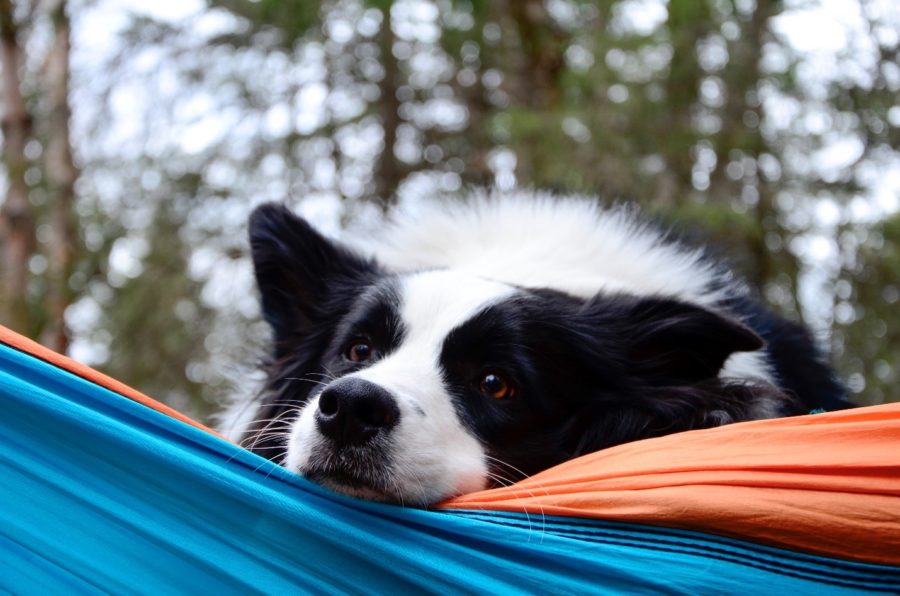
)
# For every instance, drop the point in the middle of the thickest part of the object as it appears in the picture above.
(433, 456)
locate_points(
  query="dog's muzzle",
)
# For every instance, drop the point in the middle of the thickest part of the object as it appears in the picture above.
(354, 418)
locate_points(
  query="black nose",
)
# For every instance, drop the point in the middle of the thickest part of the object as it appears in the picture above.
(352, 411)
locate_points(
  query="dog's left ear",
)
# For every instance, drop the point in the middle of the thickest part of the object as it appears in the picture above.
(301, 274)
(672, 342)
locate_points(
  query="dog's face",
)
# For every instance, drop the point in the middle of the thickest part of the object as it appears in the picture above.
(416, 387)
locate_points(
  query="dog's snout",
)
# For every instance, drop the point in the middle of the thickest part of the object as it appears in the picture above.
(352, 411)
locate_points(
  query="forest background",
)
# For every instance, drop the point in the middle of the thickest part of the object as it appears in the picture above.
(137, 136)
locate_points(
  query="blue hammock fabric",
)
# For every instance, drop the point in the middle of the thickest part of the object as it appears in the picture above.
(99, 493)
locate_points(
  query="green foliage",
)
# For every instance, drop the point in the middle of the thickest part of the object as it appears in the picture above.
(382, 5)
(866, 333)
(289, 19)
(670, 117)
(682, 117)
(159, 324)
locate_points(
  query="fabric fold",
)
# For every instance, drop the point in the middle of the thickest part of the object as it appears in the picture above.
(104, 492)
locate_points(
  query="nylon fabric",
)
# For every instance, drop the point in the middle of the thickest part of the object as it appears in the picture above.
(102, 494)
(827, 483)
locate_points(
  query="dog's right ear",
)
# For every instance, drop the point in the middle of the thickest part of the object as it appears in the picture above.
(298, 270)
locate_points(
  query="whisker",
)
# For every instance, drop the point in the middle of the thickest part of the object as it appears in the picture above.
(507, 465)
(530, 493)
(305, 380)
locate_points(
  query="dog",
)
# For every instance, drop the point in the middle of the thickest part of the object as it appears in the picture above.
(483, 341)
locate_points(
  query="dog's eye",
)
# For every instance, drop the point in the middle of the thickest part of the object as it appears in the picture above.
(360, 351)
(496, 387)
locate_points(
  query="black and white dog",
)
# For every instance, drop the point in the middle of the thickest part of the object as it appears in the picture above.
(489, 340)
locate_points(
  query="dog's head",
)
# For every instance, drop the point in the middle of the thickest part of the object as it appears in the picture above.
(419, 386)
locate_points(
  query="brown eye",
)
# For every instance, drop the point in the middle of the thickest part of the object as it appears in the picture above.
(496, 387)
(359, 351)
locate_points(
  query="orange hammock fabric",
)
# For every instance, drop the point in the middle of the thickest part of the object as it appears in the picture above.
(23, 344)
(827, 484)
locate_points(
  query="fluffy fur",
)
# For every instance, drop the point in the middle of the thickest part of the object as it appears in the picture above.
(484, 341)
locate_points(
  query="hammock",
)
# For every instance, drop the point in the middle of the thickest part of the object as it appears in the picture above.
(102, 489)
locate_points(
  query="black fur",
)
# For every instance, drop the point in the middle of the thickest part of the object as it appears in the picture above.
(307, 285)
(589, 374)
(799, 365)
(596, 374)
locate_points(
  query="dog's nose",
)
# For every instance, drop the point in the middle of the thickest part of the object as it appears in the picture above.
(352, 411)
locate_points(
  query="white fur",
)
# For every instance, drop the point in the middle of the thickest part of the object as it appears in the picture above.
(536, 240)
(460, 257)
(432, 455)
(747, 365)
(239, 408)
(237, 417)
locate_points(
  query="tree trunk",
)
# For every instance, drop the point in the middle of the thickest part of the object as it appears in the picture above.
(388, 171)
(688, 22)
(539, 72)
(16, 219)
(61, 177)
(537, 86)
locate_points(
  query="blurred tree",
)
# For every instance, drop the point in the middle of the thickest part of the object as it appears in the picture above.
(866, 335)
(61, 177)
(703, 111)
(160, 329)
(37, 218)
(388, 171)
(16, 216)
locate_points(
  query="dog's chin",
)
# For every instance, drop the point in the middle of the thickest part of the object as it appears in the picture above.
(369, 472)
(360, 483)
(351, 485)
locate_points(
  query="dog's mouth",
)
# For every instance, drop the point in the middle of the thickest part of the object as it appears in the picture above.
(351, 484)
(371, 472)
(358, 473)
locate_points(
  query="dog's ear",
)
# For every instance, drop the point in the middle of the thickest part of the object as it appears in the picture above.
(298, 269)
(671, 342)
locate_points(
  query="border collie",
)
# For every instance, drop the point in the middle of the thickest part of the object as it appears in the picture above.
(484, 341)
